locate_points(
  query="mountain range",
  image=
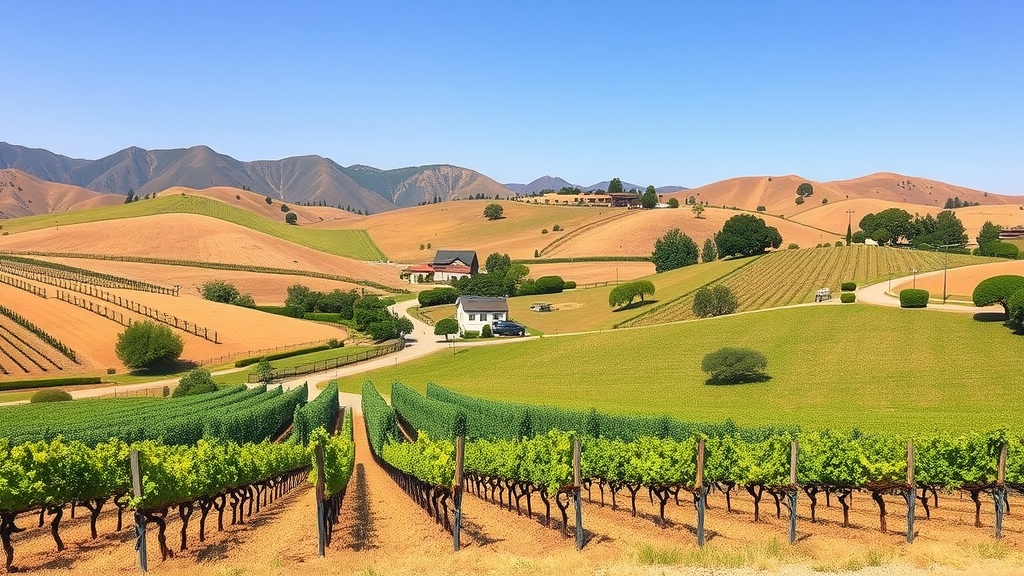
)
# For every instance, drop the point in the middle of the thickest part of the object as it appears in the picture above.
(556, 183)
(300, 179)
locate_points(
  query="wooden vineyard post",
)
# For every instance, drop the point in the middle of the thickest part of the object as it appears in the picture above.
(460, 452)
(321, 512)
(140, 520)
(701, 494)
(792, 491)
(999, 494)
(577, 484)
(910, 494)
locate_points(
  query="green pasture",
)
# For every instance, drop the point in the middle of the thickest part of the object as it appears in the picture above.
(354, 244)
(832, 366)
(242, 376)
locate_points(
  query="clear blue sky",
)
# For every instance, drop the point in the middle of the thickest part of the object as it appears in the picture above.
(662, 93)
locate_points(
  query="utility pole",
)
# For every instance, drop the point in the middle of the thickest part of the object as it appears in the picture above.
(945, 258)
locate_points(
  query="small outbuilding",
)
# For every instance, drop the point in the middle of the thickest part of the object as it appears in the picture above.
(473, 312)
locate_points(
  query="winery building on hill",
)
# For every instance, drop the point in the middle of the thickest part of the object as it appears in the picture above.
(447, 265)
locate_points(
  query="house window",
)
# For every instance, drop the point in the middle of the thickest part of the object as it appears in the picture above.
(483, 317)
(472, 317)
(497, 316)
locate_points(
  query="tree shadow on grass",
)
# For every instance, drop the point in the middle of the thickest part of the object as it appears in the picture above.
(167, 369)
(635, 305)
(730, 381)
(990, 317)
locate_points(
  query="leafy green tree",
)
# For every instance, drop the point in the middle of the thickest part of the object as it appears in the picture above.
(301, 298)
(998, 290)
(219, 291)
(615, 186)
(709, 253)
(895, 221)
(649, 199)
(805, 189)
(291, 218)
(938, 231)
(673, 202)
(734, 366)
(493, 211)
(697, 209)
(673, 250)
(624, 294)
(269, 200)
(882, 236)
(716, 301)
(147, 344)
(989, 233)
(264, 371)
(746, 235)
(859, 237)
(338, 302)
(498, 263)
(245, 301)
(130, 197)
(197, 381)
(371, 309)
(446, 327)
(285, 208)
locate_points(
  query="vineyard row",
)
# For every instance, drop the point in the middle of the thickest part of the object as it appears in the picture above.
(110, 314)
(61, 276)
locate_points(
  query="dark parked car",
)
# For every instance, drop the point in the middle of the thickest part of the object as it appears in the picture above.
(505, 328)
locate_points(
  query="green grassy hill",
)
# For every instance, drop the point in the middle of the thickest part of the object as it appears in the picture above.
(841, 367)
(792, 276)
(354, 244)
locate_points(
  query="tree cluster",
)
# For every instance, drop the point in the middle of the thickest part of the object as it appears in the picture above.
(649, 199)
(372, 316)
(674, 250)
(746, 235)
(301, 300)
(955, 202)
(225, 293)
(624, 294)
(716, 301)
(503, 278)
(990, 245)
(896, 226)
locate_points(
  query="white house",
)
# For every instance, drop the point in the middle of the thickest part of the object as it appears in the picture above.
(473, 312)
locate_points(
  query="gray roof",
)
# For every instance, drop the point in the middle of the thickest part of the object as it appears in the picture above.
(483, 304)
(467, 257)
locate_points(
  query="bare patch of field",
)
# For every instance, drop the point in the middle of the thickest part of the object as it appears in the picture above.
(195, 238)
(592, 272)
(833, 216)
(961, 282)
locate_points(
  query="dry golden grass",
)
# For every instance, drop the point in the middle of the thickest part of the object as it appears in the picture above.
(832, 216)
(960, 282)
(22, 194)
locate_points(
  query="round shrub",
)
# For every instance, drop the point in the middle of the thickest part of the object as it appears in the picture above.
(1000, 250)
(1016, 305)
(847, 297)
(51, 395)
(486, 331)
(197, 381)
(734, 365)
(438, 296)
(549, 284)
(793, 246)
(570, 285)
(848, 286)
(147, 344)
(913, 298)
(997, 290)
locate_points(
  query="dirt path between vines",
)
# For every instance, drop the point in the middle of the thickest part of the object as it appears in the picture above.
(382, 531)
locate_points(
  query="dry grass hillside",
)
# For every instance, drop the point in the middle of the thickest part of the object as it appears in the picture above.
(778, 193)
(22, 194)
(832, 216)
(584, 231)
(195, 238)
(257, 204)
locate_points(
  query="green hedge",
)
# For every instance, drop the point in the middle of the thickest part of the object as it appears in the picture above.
(438, 296)
(570, 285)
(506, 420)
(847, 297)
(46, 383)
(440, 420)
(849, 286)
(289, 311)
(379, 418)
(286, 354)
(320, 413)
(914, 298)
(51, 395)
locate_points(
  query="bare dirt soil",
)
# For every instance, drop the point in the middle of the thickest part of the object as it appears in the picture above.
(266, 289)
(961, 282)
(195, 238)
(239, 330)
(591, 272)
(382, 531)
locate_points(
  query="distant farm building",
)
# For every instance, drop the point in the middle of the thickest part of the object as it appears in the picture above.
(1011, 233)
(447, 265)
